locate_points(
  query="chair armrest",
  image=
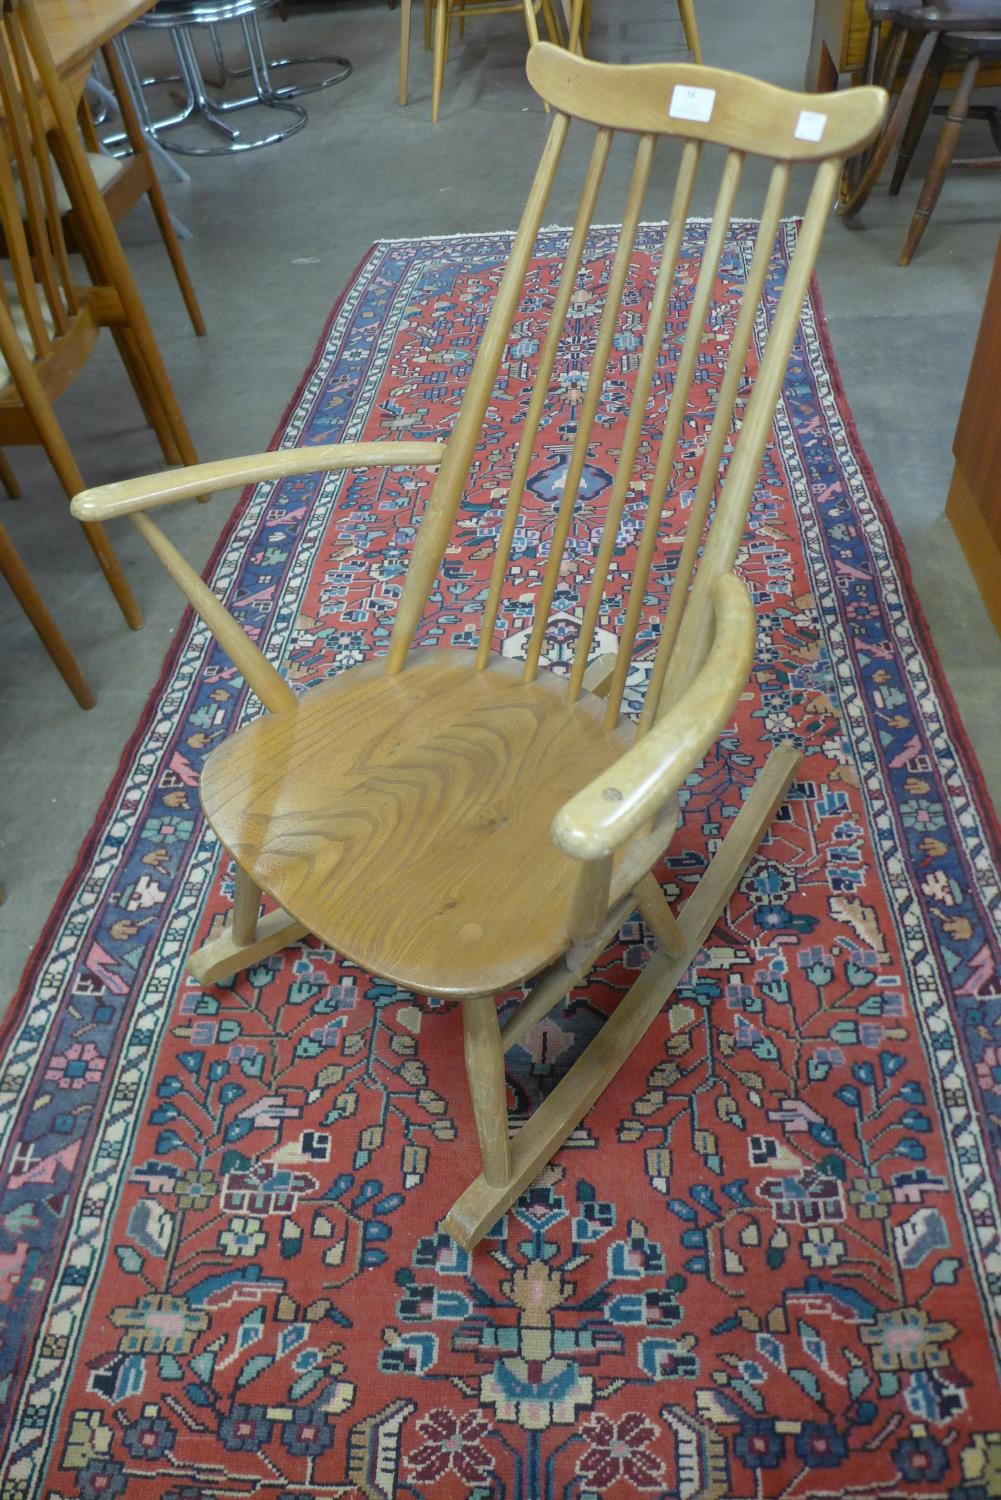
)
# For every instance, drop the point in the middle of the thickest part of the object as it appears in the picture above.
(107, 501)
(609, 810)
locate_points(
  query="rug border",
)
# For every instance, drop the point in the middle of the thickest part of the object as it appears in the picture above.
(22, 991)
(989, 815)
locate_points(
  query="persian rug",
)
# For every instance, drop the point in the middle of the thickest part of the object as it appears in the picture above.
(768, 1262)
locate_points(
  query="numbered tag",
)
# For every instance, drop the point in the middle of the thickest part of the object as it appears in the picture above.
(692, 104)
(810, 125)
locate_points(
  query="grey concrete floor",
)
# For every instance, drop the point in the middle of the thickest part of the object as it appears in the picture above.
(276, 236)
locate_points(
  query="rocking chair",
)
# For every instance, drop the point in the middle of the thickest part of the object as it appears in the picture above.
(458, 822)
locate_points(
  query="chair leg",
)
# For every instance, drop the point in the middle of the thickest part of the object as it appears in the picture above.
(60, 455)
(438, 77)
(531, 24)
(48, 632)
(901, 114)
(427, 25)
(484, 1053)
(540, 1138)
(944, 152)
(247, 938)
(9, 479)
(154, 192)
(916, 124)
(686, 9)
(574, 24)
(404, 48)
(552, 28)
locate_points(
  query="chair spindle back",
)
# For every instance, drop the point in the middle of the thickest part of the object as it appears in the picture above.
(699, 106)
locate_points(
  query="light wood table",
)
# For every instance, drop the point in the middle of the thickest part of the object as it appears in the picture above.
(75, 29)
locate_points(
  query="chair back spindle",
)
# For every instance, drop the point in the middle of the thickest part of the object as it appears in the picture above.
(696, 107)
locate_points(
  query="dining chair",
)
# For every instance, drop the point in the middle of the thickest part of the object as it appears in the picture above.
(49, 322)
(461, 823)
(579, 12)
(23, 587)
(440, 15)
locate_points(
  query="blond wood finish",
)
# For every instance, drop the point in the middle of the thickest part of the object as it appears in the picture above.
(396, 816)
(659, 917)
(484, 1053)
(129, 495)
(138, 179)
(48, 336)
(482, 1203)
(246, 908)
(225, 956)
(27, 595)
(457, 822)
(76, 29)
(748, 115)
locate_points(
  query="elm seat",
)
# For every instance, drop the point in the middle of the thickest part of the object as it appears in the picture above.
(446, 775)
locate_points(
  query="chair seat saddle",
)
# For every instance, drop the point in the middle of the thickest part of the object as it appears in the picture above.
(406, 820)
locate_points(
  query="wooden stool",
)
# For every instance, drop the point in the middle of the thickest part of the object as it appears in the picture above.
(969, 50)
(907, 18)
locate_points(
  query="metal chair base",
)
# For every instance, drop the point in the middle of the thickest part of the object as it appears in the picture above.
(198, 106)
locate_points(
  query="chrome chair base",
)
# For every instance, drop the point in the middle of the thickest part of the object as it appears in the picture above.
(181, 19)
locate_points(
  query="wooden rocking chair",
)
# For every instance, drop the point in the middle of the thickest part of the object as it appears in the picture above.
(458, 822)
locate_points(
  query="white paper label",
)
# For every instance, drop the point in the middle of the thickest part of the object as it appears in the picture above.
(692, 104)
(810, 125)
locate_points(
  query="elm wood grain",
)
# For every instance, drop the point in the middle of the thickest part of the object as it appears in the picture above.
(405, 820)
(974, 503)
(457, 821)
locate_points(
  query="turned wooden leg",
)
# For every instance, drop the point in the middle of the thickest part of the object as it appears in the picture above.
(487, 1087)
(944, 152)
(246, 908)
(916, 124)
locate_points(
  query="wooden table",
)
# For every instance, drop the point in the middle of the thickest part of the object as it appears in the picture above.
(75, 29)
(974, 504)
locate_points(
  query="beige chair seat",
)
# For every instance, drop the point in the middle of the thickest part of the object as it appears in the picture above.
(403, 818)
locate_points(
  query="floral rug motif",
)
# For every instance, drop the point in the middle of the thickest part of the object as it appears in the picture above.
(767, 1264)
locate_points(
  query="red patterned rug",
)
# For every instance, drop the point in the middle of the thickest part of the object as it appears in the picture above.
(768, 1263)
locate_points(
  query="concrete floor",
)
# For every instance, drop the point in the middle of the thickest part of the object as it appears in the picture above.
(277, 234)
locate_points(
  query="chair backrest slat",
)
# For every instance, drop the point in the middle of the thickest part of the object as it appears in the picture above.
(443, 505)
(694, 636)
(540, 390)
(28, 206)
(662, 390)
(592, 395)
(691, 347)
(722, 425)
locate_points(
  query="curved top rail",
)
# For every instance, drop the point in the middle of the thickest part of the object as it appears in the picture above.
(707, 104)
